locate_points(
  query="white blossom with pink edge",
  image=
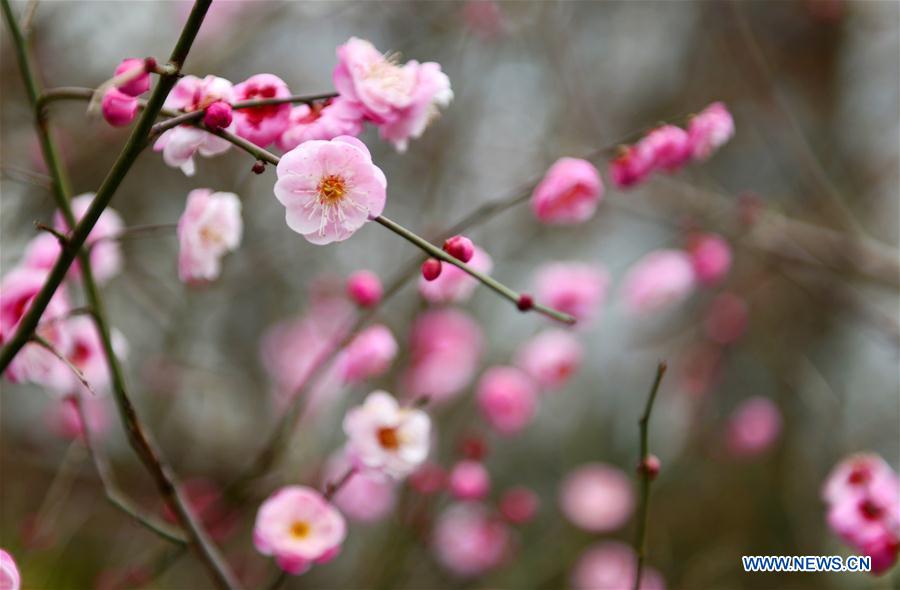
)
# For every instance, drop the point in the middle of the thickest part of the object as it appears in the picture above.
(9, 572)
(298, 527)
(179, 145)
(330, 189)
(387, 437)
(105, 251)
(209, 228)
(596, 497)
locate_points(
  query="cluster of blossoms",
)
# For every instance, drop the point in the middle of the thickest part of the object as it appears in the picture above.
(131, 79)
(863, 497)
(668, 148)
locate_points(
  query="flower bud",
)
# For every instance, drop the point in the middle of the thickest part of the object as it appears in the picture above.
(460, 247)
(119, 109)
(469, 480)
(364, 287)
(649, 466)
(525, 302)
(140, 83)
(431, 269)
(218, 115)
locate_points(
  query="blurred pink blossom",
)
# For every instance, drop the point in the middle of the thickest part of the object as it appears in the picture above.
(330, 189)
(369, 354)
(88, 355)
(469, 480)
(428, 479)
(596, 497)
(858, 473)
(611, 565)
(64, 418)
(631, 167)
(119, 109)
(519, 505)
(569, 192)
(578, 289)
(709, 130)
(455, 285)
(106, 253)
(321, 120)
(208, 503)
(364, 288)
(753, 426)
(298, 527)
(508, 399)
(710, 256)
(666, 147)
(9, 572)
(368, 496)
(41, 251)
(726, 320)
(262, 125)
(550, 358)
(660, 279)
(469, 541)
(445, 348)
(484, 17)
(210, 227)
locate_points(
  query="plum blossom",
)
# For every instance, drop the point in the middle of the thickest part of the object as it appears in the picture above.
(106, 253)
(856, 474)
(454, 285)
(550, 358)
(460, 247)
(34, 363)
(710, 256)
(368, 496)
(209, 228)
(118, 109)
(631, 167)
(136, 70)
(754, 426)
(41, 251)
(321, 120)
(386, 437)
(262, 124)
(576, 288)
(9, 572)
(660, 279)
(400, 100)
(469, 480)
(445, 348)
(369, 354)
(470, 541)
(610, 565)
(569, 192)
(64, 418)
(709, 130)
(179, 145)
(507, 398)
(596, 497)
(667, 147)
(519, 504)
(364, 287)
(88, 355)
(298, 527)
(330, 188)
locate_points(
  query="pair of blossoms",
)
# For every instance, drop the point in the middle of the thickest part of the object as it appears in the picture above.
(863, 497)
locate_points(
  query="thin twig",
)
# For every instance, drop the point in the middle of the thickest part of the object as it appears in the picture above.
(645, 475)
(334, 487)
(41, 341)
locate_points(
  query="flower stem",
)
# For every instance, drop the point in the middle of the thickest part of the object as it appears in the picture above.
(644, 509)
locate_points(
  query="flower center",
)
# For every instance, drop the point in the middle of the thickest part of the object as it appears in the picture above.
(870, 510)
(300, 529)
(388, 438)
(331, 189)
(858, 476)
(211, 235)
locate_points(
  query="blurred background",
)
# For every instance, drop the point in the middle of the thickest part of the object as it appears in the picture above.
(814, 87)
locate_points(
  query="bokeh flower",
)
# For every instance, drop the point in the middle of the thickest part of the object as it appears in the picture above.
(507, 398)
(210, 227)
(569, 192)
(596, 497)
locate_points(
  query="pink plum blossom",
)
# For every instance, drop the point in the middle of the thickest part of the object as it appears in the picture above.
(321, 120)
(401, 100)
(519, 505)
(660, 279)
(666, 147)
(596, 497)
(64, 418)
(569, 192)
(118, 108)
(469, 480)
(508, 399)
(41, 252)
(9, 572)
(179, 145)
(364, 287)
(576, 288)
(298, 527)
(209, 228)
(856, 474)
(550, 358)
(136, 70)
(445, 349)
(460, 247)
(754, 426)
(368, 496)
(709, 130)
(631, 167)
(88, 355)
(611, 565)
(387, 437)
(34, 363)
(263, 124)
(469, 541)
(710, 256)
(106, 253)
(369, 354)
(455, 285)
(726, 320)
(330, 188)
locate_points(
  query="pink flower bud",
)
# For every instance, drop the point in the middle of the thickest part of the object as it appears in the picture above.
(431, 269)
(525, 302)
(218, 115)
(460, 247)
(141, 81)
(507, 398)
(631, 167)
(710, 257)
(650, 466)
(469, 480)
(364, 288)
(519, 505)
(119, 109)
(753, 427)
